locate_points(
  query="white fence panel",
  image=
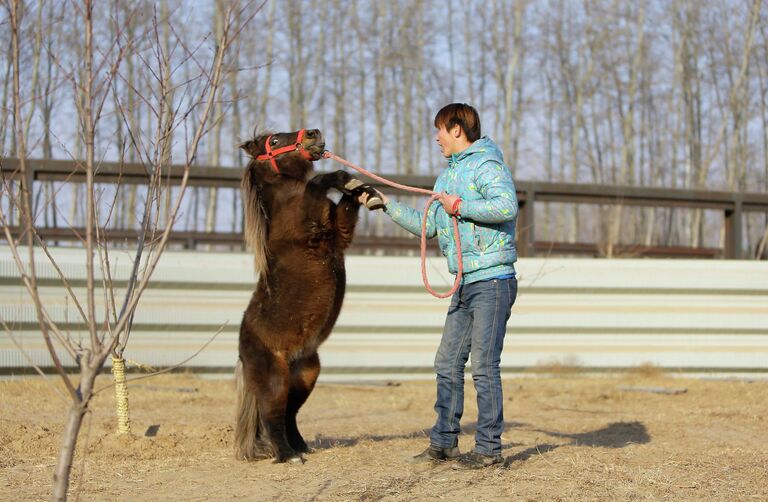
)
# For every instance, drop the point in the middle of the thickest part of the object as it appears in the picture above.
(682, 314)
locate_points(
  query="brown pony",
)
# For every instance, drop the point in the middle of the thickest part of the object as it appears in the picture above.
(298, 236)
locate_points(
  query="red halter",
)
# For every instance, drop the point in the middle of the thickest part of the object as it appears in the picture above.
(271, 154)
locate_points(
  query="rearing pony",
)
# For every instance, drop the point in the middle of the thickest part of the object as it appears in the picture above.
(298, 236)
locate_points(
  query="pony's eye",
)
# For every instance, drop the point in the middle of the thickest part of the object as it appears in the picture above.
(274, 141)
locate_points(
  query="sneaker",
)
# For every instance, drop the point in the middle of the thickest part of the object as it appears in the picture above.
(474, 460)
(436, 454)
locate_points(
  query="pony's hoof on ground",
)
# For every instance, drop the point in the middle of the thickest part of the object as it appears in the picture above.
(289, 458)
(374, 203)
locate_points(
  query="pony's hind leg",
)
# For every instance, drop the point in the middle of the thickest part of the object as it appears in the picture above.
(304, 374)
(250, 443)
(266, 378)
(272, 402)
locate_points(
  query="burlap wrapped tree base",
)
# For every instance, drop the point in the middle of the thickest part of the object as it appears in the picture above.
(121, 396)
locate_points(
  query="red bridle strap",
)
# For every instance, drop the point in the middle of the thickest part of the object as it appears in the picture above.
(271, 154)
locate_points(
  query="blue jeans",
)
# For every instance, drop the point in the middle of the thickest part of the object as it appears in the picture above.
(475, 324)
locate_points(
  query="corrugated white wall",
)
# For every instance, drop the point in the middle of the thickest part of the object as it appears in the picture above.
(593, 313)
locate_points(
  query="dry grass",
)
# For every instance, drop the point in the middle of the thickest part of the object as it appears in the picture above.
(647, 370)
(574, 438)
(554, 367)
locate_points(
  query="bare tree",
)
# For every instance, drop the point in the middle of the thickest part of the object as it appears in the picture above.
(509, 47)
(93, 78)
(762, 70)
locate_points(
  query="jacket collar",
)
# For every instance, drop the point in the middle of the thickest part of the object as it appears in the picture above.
(481, 145)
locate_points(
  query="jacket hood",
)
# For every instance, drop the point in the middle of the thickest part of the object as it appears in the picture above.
(484, 145)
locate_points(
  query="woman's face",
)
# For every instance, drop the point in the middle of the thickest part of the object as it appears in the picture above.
(448, 140)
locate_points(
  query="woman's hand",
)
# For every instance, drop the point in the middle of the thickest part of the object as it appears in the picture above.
(363, 197)
(451, 203)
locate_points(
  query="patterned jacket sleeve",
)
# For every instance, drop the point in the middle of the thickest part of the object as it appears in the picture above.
(499, 203)
(410, 219)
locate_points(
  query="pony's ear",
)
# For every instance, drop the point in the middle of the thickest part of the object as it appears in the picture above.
(251, 148)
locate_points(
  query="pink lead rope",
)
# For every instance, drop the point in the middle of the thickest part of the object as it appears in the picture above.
(433, 197)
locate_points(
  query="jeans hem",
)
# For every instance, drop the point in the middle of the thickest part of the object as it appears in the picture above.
(454, 445)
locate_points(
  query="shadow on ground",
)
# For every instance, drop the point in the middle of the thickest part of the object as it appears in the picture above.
(614, 435)
(323, 442)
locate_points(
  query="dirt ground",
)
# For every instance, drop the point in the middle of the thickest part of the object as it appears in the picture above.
(567, 437)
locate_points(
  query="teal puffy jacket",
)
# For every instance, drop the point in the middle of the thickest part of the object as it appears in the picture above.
(488, 212)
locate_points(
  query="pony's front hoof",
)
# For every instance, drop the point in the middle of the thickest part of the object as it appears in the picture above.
(352, 185)
(374, 203)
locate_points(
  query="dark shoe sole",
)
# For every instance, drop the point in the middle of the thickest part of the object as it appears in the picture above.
(438, 456)
(468, 463)
(430, 460)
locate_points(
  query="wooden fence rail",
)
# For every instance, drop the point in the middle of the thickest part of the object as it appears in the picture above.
(733, 205)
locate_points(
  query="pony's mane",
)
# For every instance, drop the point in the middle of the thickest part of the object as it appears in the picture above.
(252, 147)
(256, 221)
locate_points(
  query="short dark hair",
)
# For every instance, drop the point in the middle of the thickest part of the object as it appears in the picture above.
(462, 115)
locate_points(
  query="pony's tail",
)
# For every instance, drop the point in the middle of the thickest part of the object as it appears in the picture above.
(248, 443)
(255, 228)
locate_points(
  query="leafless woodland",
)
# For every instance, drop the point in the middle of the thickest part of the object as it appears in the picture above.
(654, 93)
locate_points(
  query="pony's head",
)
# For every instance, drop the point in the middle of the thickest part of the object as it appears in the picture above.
(275, 158)
(287, 153)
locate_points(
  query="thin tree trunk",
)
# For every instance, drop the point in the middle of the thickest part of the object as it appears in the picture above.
(511, 79)
(269, 53)
(214, 157)
(236, 131)
(339, 79)
(379, 86)
(67, 450)
(362, 112)
(469, 41)
(4, 120)
(762, 243)
(34, 82)
(449, 34)
(420, 132)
